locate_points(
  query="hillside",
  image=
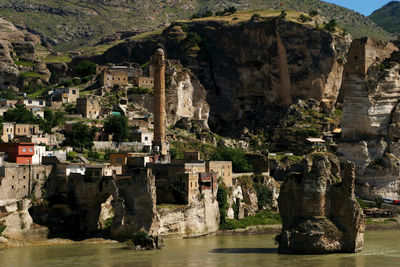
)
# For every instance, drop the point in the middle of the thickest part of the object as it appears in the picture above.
(76, 24)
(388, 17)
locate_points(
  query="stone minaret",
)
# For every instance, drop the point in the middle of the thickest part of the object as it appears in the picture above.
(158, 62)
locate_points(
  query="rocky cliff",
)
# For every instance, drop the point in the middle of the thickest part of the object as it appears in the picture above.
(185, 98)
(19, 65)
(199, 218)
(249, 67)
(370, 120)
(319, 211)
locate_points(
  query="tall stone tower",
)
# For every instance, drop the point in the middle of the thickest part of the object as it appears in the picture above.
(158, 62)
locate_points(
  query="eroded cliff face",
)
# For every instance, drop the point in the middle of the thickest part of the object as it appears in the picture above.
(319, 211)
(18, 47)
(249, 66)
(199, 218)
(185, 98)
(371, 125)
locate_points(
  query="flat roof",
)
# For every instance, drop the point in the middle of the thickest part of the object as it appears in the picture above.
(315, 140)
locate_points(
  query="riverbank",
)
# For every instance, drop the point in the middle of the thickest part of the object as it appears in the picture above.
(372, 225)
(4, 243)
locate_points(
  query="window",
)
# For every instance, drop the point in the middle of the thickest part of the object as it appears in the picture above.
(19, 130)
(40, 102)
(13, 176)
(24, 149)
(37, 176)
(24, 130)
(29, 101)
(30, 149)
(146, 138)
(74, 92)
(119, 160)
(191, 185)
(23, 177)
(7, 130)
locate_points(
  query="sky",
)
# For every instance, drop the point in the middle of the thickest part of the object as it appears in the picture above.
(365, 7)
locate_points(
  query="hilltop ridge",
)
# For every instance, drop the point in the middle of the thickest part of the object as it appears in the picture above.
(73, 24)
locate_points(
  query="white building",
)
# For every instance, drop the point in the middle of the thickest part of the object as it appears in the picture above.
(40, 151)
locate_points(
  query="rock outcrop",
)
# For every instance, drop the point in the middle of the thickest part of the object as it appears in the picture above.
(185, 98)
(199, 218)
(370, 118)
(249, 67)
(18, 58)
(319, 211)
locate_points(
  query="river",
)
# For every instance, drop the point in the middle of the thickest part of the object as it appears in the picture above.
(381, 248)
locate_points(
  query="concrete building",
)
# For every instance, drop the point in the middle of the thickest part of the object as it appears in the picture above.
(35, 106)
(144, 137)
(158, 65)
(13, 130)
(40, 152)
(20, 153)
(88, 107)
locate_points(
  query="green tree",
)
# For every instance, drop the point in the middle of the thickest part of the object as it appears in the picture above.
(85, 68)
(20, 114)
(236, 155)
(51, 120)
(80, 136)
(117, 126)
(222, 198)
(313, 13)
(283, 14)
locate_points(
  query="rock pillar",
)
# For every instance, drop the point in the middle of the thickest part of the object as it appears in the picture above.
(158, 62)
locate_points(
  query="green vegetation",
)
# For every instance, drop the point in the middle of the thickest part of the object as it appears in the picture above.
(313, 13)
(142, 239)
(362, 203)
(85, 68)
(20, 114)
(303, 18)
(24, 63)
(264, 217)
(78, 17)
(331, 25)
(80, 136)
(52, 119)
(139, 91)
(388, 17)
(227, 11)
(2, 228)
(117, 126)
(222, 198)
(71, 155)
(236, 155)
(30, 74)
(283, 14)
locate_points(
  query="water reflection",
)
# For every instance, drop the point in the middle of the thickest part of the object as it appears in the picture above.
(245, 250)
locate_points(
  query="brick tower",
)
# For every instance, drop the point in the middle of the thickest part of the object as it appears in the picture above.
(158, 62)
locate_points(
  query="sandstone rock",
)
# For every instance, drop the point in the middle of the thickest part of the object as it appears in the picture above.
(319, 211)
(371, 118)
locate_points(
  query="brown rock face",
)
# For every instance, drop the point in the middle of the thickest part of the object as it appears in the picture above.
(319, 210)
(250, 66)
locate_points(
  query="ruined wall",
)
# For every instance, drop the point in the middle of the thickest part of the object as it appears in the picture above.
(21, 181)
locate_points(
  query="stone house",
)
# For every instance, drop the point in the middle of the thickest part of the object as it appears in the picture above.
(19, 181)
(223, 170)
(117, 75)
(88, 107)
(65, 95)
(34, 105)
(145, 82)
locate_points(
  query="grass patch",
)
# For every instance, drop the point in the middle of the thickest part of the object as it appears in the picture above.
(2, 228)
(265, 217)
(24, 63)
(57, 59)
(30, 74)
(169, 206)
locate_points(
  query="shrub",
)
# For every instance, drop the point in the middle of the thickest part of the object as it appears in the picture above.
(85, 68)
(142, 239)
(313, 13)
(331, 25)
(265, 217)
(193, 38)
(71, 155)
(264, 196)
(139, 91)
(236, 155)
(222, 198)
(255, 16)
(283, 14)
(303, 18)
(2, 228)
